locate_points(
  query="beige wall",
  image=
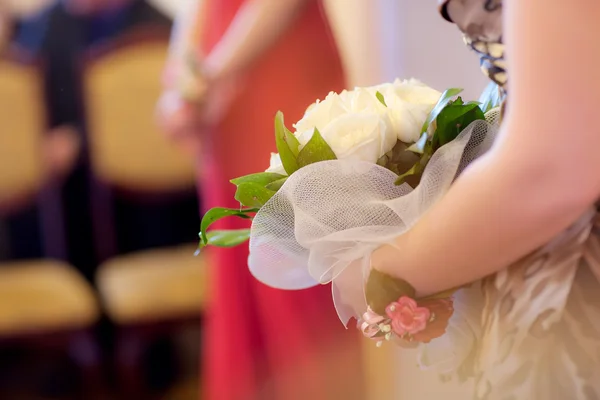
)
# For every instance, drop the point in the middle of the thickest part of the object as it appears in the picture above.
(384, 39)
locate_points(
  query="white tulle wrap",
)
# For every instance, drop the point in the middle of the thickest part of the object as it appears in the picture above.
(327, 219)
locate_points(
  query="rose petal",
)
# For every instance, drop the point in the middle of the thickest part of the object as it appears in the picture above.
(395, 308)
(406, 301)
(398, 327)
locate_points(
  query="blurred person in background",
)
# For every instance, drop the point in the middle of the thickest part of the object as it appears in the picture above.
(234, 64)
(18, 235)
(60, 35)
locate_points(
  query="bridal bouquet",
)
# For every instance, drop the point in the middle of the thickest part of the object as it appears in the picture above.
(359, 169)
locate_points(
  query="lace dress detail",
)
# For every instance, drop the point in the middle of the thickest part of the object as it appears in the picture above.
(540, 317)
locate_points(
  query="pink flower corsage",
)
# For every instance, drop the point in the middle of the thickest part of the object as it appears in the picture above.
(409, 319)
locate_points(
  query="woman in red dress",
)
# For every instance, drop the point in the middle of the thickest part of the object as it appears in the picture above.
(260, 343)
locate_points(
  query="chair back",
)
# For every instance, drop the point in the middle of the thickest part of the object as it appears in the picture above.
(121, 87)
(22, 124)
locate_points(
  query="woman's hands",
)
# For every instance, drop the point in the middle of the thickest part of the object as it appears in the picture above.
(193, 103)
(198, 94)
(180, 120)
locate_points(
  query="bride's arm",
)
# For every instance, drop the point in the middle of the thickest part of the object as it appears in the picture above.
(542, 174)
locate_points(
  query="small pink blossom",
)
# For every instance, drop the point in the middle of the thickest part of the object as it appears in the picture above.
(407, 317)
(410, 321)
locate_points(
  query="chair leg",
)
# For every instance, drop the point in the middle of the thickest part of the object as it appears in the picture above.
(84, 350)
(129, 354)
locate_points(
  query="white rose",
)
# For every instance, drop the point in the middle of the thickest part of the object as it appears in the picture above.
(275, 165)
(409, 103)
(356, 124)
(415, 92)
(362, 99)
(407, 119)
(363, 136)
(321, 113)
(382, 88)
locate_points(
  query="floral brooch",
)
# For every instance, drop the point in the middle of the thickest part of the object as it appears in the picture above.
(409, 320)
(394, 313)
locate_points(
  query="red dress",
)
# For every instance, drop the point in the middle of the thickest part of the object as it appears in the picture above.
(263, 343)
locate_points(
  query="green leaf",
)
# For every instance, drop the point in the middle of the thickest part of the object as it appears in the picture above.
(276, 185)
(442, 295)
(256, 189)
(402, 178)
(399, 159)
(453, 119)
(227, 238)
(287, 145)
(381, 290)
(442, 102)
(261, 178)
(384, 161)
(419, 146)
(380, 98)
(252, 194)
(413, 175)
(217, 213)
(315, 150)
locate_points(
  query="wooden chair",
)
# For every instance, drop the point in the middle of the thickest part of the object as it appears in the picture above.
(42, 302)
(145, 292)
